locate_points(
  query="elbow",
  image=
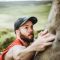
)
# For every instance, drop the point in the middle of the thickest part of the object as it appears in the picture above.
(17, 57)
(7, 57)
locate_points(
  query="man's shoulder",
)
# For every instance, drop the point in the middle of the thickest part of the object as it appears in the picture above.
(18, 47)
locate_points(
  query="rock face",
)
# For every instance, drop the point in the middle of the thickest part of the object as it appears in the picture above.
(53, 52)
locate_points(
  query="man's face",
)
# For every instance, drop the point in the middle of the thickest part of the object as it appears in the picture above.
(26, 32)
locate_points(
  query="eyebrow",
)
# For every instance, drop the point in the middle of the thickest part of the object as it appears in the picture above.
(28, 25)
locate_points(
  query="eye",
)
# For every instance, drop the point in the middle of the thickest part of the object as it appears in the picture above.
(31, 27)
(26, 27)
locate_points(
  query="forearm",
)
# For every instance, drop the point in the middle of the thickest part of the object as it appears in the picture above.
(20, 53)
(26, 53)
(25, 56)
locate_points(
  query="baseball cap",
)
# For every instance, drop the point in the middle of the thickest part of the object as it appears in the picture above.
(22, 20)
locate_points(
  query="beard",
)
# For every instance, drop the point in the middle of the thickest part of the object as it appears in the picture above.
(26, 39)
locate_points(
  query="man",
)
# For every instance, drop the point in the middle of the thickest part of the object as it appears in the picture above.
(22, 48)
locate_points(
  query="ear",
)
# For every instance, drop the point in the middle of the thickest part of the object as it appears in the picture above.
(17, 31)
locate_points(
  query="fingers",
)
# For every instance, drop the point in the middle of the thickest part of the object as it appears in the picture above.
(48, 44)
(44, 45)
(43, 32)
(50, 38)
(45, 40)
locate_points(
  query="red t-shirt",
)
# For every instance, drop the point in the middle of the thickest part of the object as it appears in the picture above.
(15, 42)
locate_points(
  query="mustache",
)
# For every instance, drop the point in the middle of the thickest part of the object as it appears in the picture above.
(31, 33)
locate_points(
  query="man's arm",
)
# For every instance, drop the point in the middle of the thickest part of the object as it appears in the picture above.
(19, 53)
(23, 53)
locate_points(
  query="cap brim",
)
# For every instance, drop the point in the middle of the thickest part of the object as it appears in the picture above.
(32, 19)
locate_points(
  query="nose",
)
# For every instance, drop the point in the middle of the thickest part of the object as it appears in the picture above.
(30, 30)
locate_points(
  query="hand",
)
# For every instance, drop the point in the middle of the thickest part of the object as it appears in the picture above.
(47, 37)
(43, 41)
(43, 32)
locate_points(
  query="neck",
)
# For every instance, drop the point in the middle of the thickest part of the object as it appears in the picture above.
(24, 43)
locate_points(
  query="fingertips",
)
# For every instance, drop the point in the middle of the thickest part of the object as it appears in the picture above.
(51, 38)
(43, 32)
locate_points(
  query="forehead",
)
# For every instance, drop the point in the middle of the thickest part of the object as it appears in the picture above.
(28, 23)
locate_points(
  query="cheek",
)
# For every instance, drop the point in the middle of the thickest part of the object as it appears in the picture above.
(24, 32)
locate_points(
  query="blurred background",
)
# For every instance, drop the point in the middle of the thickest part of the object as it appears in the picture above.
(11, 10)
